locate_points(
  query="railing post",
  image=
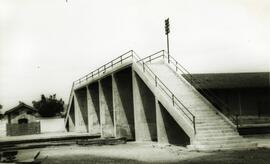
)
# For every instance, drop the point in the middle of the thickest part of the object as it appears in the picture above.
(155, 80)
(112, 64)
(194, 124)
(92, 75)
(237, 121)
(173, 99)
(143, 67)
(132, 54)
(150, 59)
(176, 66)
(163, 54)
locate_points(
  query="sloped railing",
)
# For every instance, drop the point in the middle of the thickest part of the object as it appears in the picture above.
(158, 83)
(218, 103)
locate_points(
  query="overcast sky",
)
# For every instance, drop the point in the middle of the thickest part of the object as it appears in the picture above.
(47, 44)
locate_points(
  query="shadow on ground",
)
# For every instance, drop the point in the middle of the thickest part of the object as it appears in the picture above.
(258, 156)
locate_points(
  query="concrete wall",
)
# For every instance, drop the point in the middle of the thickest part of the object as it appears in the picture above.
(52, 125)
(246, 101)
(93, 108)
(144, 111)
(168, 131)
(106, 107)
(81, 111)
(123, 104)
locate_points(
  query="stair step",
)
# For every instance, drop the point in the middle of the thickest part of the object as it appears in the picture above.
(216, 130)
(215, 142)
(223, 137)
(223, 130)
(227, 146)
(216, 134)
(204, 112)
(213, 127)
(209, 121)
(214, 117)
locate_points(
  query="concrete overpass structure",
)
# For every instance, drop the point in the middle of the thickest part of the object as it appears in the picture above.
(149, 99)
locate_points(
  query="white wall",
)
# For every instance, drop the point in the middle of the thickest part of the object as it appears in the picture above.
(3, 131)
(50, 125)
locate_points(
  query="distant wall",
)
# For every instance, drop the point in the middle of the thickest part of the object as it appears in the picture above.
(245, 101)
(51, 125)
(23, 129)
(3, 131)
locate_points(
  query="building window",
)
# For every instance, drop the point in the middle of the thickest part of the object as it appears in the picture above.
(23, 121)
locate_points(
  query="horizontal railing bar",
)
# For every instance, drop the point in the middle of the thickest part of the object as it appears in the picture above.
(100, 69)
(150, 55)
(155, 58)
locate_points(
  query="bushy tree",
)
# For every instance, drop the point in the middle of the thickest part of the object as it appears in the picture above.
(49, 107)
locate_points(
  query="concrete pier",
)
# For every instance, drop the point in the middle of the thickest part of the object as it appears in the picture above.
(145, 111)
(123, 104)
(81, 112)
(71, 117)
(106, 107)
(93, 109)
(168, 131)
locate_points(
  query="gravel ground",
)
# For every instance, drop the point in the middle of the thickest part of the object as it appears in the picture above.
(142, 153)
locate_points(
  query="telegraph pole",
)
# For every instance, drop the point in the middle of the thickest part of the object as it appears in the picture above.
(167, 31)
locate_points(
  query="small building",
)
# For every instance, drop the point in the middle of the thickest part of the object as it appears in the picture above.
(22, 120)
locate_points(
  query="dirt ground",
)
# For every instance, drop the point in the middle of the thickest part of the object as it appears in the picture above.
(142, 153)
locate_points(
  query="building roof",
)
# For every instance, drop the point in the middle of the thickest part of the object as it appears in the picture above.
(233, 80)
(20, 106)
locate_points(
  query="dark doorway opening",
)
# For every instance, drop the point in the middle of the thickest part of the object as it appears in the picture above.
(23, 121)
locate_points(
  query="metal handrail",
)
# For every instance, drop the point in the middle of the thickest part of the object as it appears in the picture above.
(158, 82)
(194, 82)
(98, 71)
(205, 91)
(105, 67)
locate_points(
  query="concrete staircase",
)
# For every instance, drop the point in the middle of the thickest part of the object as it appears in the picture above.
(213, 132)
(158, 100)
